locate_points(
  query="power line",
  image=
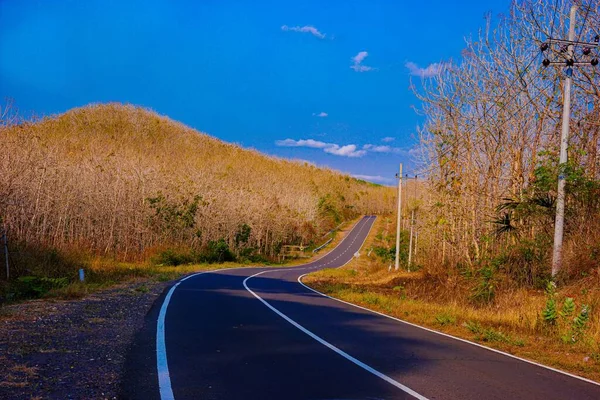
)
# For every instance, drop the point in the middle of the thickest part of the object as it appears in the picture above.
(553, 18)
(587, 13)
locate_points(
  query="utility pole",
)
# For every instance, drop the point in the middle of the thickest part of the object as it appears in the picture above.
(410, 244)
(399, 219)
(412, 223)
(568, 49)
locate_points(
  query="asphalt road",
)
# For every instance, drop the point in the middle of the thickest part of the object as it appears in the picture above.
(257, 333)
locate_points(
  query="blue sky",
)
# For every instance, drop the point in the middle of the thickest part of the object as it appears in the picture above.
(322, 81)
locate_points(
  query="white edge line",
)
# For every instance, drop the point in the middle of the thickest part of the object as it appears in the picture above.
(449, 336)
(325, 343)
(162, 366)
(332, 347)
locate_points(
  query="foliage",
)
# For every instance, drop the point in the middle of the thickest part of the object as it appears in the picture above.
(485, 289)
(36, 286)
(173, 257)
(217, 251)
(445, 319)
(574, 328)
(243, 234)
(550, 313)
(120, 181)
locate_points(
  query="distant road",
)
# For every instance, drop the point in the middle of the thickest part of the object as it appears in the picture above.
(257, 333)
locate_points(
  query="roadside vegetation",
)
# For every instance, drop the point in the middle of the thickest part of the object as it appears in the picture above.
(121, 191)
(556, 326)
(484, 209)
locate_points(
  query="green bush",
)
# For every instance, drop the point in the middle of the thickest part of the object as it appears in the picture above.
(171, 257)
(445, 319)
(28, 287)
(485, 290)
(217, 251)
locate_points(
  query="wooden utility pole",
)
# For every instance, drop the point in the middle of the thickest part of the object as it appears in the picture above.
(399, 219)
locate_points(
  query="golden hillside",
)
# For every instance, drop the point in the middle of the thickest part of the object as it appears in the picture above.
(120, 180)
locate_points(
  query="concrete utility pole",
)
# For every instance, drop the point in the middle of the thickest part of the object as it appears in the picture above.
(410, 244)
(570, 59)
(399, 218)
(564, 144)
(412, 224)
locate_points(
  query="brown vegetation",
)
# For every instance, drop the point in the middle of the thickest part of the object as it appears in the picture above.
(513, 322)
(123, 182)
(485, 212)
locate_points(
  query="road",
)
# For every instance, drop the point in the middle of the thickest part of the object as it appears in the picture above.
(258, 333)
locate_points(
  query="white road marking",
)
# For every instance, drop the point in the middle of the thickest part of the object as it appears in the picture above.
(449, 336)
(162, 366)
(347, 356)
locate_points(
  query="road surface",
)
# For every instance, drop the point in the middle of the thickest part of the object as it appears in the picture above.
(258, 333)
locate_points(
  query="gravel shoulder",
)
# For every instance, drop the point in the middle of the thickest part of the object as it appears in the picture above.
(73, 349)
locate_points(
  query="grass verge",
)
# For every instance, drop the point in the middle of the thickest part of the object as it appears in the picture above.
(513, 322)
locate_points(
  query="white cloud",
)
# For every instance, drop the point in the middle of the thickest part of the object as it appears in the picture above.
(361, 68)
(304, 29)
(349, 150)
(315, 144)
(388, 139)
(428, 72)
(374, 178)
(378, 149)
(360, 57)
(321, 114)
(385, 149)
(357, 62)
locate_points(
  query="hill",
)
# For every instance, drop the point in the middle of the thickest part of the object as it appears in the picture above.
(121, 181)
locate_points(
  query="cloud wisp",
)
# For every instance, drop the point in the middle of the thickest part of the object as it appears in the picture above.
(430, 71)
(357, 64)
(349, 150)
(304, 29)
(322, 114)
(388, 139)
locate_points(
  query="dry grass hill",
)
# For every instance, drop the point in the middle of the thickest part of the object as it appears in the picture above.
(122, 182)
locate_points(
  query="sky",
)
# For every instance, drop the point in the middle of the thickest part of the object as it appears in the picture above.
(321, 81)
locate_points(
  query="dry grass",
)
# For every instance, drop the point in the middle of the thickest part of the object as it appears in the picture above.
(123, 182)
(512, 322)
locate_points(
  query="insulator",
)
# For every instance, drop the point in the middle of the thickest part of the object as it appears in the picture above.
(597, 38)
(564, 49)
(544, 47)
(594, 62)
(546, 62)
(586, 51)
(570, 62)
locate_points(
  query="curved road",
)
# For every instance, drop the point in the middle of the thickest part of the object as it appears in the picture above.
(258, 333)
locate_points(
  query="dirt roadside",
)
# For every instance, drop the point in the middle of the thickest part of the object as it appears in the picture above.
(73, 349)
